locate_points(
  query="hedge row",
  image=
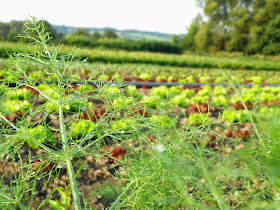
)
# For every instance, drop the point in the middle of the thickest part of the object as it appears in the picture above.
(124, 44)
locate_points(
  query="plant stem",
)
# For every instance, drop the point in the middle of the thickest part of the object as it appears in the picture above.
(10, 201)
(246, 109)
(73, 183)
(66, 150)
(216, 193)
(121, 195)
(69, 166)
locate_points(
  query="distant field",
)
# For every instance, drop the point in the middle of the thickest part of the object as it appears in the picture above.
(129, 34)
(227, 61)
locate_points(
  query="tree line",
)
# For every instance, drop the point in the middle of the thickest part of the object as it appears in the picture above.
(248, 26)
(9, 32)
(82, 37)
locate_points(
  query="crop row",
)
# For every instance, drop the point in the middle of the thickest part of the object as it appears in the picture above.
(185, 60)
(154, 73)
(200, 105)
(146, 72)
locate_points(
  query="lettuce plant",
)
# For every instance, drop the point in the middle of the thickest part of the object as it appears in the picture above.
(131, 90)
(181, 101)
(41, 134)
(199, 119)
(83, 127)
(17, 105)
(20, 94)
(235, 116)
(164, 121)
(145, 76)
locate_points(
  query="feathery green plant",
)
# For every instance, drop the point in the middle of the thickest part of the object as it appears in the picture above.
(52, 133)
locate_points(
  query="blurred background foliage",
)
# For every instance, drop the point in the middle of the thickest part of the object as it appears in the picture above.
(247, 26)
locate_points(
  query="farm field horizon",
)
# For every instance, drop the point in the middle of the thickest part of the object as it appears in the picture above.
(179, 147)
(225, 60)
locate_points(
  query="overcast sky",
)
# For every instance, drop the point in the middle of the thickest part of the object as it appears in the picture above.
(167, 16)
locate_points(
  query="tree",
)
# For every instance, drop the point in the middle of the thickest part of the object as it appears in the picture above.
(188, 41)
(238, 34)
(14, 30)
(4, 30)
(204, 38)
(175, 39)
(95, 36)
(250, 26)
(229, 21)
(264, 33)
(110, 34)
(81, 32)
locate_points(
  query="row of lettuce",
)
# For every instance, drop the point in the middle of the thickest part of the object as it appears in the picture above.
(181, 76)
(177, 95)
(20, 102)
(190, 78)
(218, 96)
(148, 72)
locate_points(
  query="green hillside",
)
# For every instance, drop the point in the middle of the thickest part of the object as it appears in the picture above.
(130, 34)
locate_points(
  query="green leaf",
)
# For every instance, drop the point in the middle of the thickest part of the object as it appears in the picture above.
(55, 205)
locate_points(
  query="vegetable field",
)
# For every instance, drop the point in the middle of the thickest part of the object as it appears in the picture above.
(74, 136)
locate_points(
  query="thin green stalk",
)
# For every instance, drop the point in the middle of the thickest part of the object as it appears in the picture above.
(66, 150)
(11, 124)
(10, 200)
(130, 184)
(121, 195)
(134, 192)
(41, 41)
(73, 183)
(222, 204)
(68, 157)
(69, 166)
(245, 107)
